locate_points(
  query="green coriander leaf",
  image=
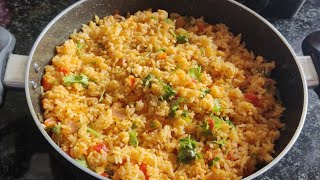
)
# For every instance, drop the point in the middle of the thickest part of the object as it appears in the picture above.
(216, 106)
(205, 129)
(168, 92)
(133, 140)
(153, 125)
(199, 156)
(79, 45)
(169, 21)
(147, 80)
(220, 143)
(217, 121)
(82, 162)
(213, 161)
(187, 151)
(175, 105)
(203, 51)
(230, 123)
(186, 155)
(205, 92)
(185, 113)
(181, 39)
(195, 73)
(56, 129)
(134, 126)
(83, 79)
(227, 151)
(163, 49)
(94, 132)
(187, 142)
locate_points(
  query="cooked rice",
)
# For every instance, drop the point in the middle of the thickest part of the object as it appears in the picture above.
(117, 54)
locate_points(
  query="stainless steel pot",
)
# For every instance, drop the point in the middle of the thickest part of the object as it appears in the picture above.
(292, 75)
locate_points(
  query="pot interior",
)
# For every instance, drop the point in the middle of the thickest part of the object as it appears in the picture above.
(259, 38)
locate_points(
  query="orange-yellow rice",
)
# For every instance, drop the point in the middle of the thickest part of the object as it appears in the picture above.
(117, 53)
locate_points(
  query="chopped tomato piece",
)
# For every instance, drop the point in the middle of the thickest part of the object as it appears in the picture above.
(64, 70)
(232, 157)
(45, 84)
(104, 174)
(123, 162)
(100, 147)
(131, 81)
(162, 55)
(143, 168)
(180, 22)
(252, 98)
(50, 122)
(206, 148)
(201, 26)
(194, 81)
(211, 123)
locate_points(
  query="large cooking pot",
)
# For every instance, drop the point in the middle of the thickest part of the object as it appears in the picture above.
(261, 37)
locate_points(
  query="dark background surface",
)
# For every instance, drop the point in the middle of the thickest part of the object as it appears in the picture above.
(24, 153)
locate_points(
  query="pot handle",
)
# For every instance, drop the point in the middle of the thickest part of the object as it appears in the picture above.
(12, 67)
(311, 47)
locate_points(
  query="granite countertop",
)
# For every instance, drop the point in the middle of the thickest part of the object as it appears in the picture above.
(24, 153)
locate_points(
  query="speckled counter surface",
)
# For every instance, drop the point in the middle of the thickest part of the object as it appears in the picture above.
(24, 153)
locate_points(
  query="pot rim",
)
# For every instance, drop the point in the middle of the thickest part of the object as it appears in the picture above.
(94, 174)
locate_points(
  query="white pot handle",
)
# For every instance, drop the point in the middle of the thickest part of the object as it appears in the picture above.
(12, 73)
(15, 71)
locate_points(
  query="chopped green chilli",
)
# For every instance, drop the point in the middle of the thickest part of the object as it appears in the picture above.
(82, 79)
(133, 140)
(94, 132)
(172, 32)
(82, 162)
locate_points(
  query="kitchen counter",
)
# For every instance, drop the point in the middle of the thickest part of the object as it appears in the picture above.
(24, 152)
